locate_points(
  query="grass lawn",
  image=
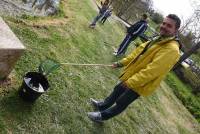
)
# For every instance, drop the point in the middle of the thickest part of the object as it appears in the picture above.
(63, 108)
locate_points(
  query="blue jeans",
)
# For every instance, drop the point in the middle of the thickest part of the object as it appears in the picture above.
(122, 97)
(125, 43)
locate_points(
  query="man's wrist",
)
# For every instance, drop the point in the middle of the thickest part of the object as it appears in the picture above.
(119, 64)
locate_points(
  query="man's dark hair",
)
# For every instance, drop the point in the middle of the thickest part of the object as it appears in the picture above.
(144, 16)
(176, 19)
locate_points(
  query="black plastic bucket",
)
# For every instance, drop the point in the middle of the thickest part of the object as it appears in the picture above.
(34, 84)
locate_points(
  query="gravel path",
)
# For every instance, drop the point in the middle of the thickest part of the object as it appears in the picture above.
(13, 8)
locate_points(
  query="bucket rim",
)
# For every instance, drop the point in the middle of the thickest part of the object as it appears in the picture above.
(44, 81)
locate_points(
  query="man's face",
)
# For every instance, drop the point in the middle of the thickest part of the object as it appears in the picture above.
(168, 27)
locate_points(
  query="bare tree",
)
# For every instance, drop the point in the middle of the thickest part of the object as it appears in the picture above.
(192, 25)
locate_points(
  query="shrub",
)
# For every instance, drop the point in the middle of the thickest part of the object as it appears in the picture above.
(183, 92)
(192, 78)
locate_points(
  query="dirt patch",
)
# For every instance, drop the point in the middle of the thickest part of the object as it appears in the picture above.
(7, 84)
(50, 22)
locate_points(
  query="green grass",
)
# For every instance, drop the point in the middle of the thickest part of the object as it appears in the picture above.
(63, 108)
(184, 93)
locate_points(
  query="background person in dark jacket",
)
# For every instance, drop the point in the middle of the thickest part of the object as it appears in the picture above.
(107, 14)
(133, 32)
(104, 7)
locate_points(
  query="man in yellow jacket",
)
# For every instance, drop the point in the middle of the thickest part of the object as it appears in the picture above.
(143, 71)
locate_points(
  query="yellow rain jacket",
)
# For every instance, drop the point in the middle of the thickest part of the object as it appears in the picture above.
(144, 74)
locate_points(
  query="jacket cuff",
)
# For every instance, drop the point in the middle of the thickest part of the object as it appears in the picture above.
(119, 64)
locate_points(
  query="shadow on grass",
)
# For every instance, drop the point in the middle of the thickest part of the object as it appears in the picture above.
(12, 106)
